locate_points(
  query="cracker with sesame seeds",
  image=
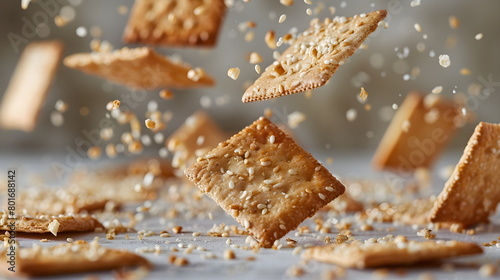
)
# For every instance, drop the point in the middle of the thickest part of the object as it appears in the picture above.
(45, 223)
(472, 192)
(418, 133)
(139, 68)
(389, 253)
(314, 56)
(265, 181)
(29, 85)
(195, 137)
(175, 23)
(68, 258)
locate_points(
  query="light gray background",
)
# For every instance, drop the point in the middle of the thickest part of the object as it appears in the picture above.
(326, 124)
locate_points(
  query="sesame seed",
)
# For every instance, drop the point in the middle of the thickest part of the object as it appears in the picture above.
(330, 189)
(292, 171)
(478, 36)
(257, 68)
(231, 184)
(282, 18)
(321, 196)
(234, 73)
(278, 185)
(437, 90)
(417, 27)
(264, 211)
(308, 2)
(308, 11)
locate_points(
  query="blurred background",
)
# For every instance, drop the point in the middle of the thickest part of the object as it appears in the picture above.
(397, 60)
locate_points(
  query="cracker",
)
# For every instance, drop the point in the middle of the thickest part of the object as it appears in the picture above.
(139, 68)
(314, 56)
(75, 257)
(369, 255)
(418, 133)
(198, 135)
(40, 223)
(472, 192)
(29, 85)
(265, 181)
(175, 23)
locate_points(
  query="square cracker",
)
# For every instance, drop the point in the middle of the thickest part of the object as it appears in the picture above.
(472, 192)
(29, 85)
(263, 179)
(75, 257)
(314, 56)
(198, 135)
(369, 255)
(139, 68)
(40, 223)
(418, 133)
(175, 22)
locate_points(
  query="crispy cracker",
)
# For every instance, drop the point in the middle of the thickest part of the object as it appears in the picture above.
(29, 85)
(368, 255)
(40, 223)
(414, 212)
(263, 179)
(196, 136)
(472, 192)
(314, 56)
(138, 68)
(75, 257)
(175, 23)
(418, 133)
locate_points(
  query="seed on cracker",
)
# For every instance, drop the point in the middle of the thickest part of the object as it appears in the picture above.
(198, 135)
(67, 258)
(418, 133)
(389, 253)
(54, 224)
(265, 181)
(472, 192)
(175, 23)
(313, 57)
(139, 68)
(29, 85)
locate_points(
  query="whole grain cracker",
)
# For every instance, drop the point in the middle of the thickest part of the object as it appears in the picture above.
(75, 257)
(195, 137)
(139, 68)
(389, 253)
(265, 181)
(41, 223)
(472, 192)
(175, 23)
(417, 134)
(314, 56)
(29, 85)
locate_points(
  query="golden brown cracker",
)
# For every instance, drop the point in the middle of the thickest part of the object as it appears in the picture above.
(139, 68)
(41, 223)
(29, 85)
(417, 134)
(314, 56)
(389, 253)
(195, 137)
(175, 23)
(472, 192)
(263, 179)
(75, 257)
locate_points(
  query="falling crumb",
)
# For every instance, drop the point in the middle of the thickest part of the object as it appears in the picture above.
(286, 2)
(415, 3)
(180, 261)
(282, 18)
(309, 11)
(255, 58)
(478, 36)
(444, 60)
(487, 270)
(44, 240)
(351, 114)
(54, 227)
(25, 4)
(426, 233)
(295, 271)
(295, 118)
(437, 90)
(270, 39)
(465, 72)
(94, 152)
(454, 22)
(150, 123)
(234, 73)
(257, 68)
(308, 2)
(229, 254)
(177, 229)
(61, 106)
(417, 27)
(166, 94)
(111, 105)
(363, 94)
(122, 10)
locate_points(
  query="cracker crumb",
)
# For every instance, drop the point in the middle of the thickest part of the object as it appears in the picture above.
(234, 73)
(270, 39)
(283, 2)
(255, 58)
(363, 94)
(478, 36)
(166, 94)
(54, 227)
(150, 123)
(295, 118)
(177, 229)
(454, 22)
(444, 60)
(487, 270)
(229, 254)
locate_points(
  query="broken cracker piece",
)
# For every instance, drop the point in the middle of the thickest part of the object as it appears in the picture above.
(198, 135)
(29, 85)
(472, 192)
(389, 253)
(265, 181)
(314, 56)
(175, 23)
(418, 133)
(139, 68)
(78, 256)
(47, 223)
